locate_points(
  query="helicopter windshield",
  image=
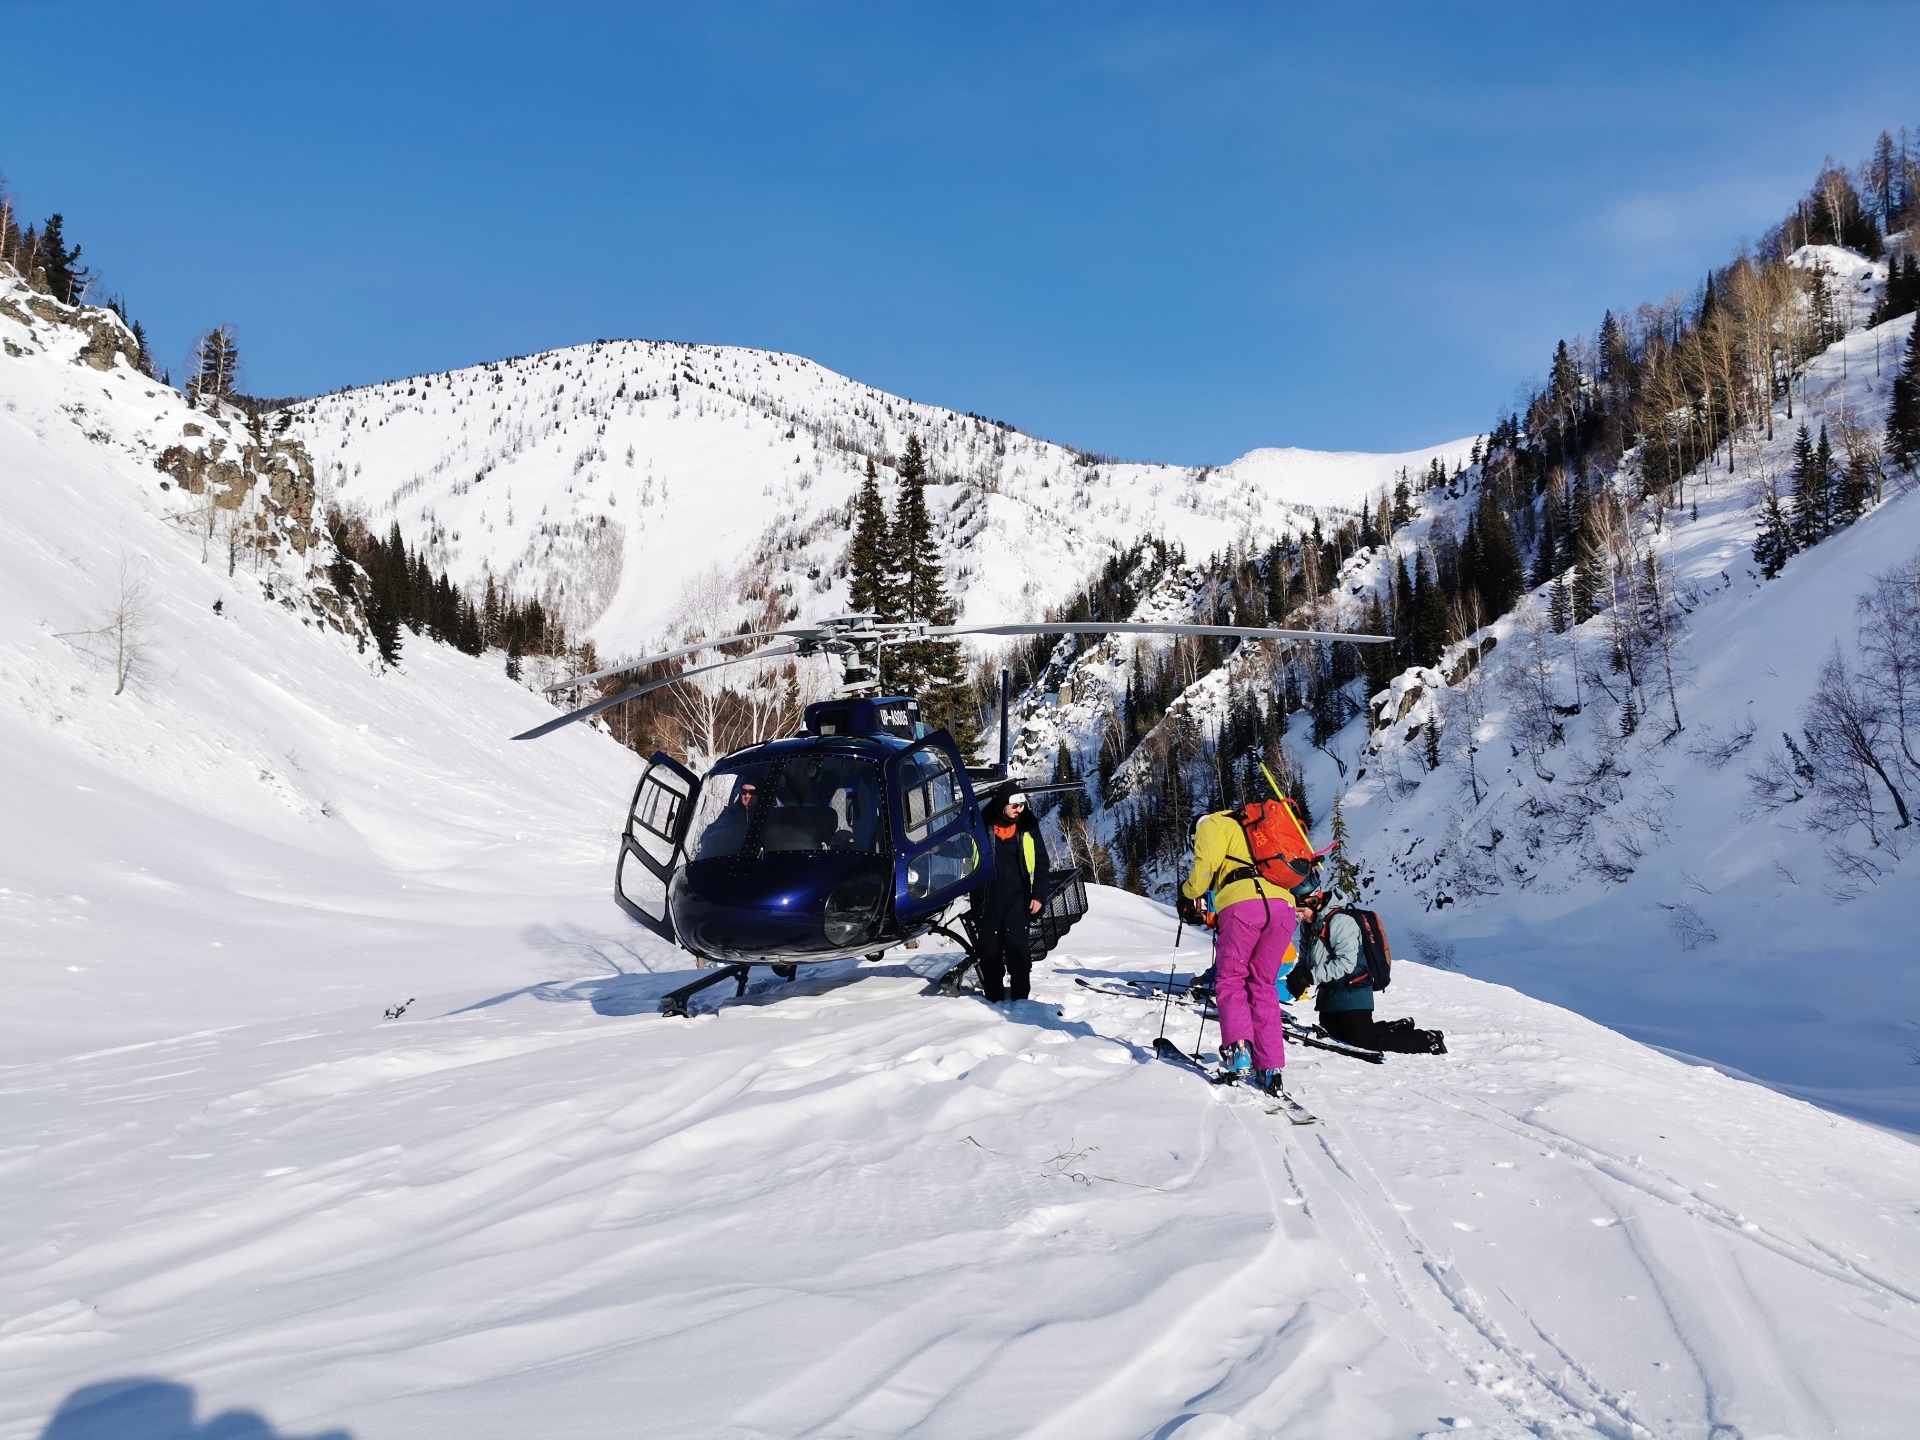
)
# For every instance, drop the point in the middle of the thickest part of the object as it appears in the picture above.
(805, 803)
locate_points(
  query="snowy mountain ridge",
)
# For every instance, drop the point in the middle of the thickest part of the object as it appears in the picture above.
(578, 475)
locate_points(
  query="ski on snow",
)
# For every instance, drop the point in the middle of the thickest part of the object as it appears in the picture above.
(1275, 1102)
(1295, 1031)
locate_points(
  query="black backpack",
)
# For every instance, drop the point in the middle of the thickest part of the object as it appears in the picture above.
(1375, 953)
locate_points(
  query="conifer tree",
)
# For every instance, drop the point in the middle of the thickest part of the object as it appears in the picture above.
(1812, 479)
(1404, 646)
(1855, 491)
(1377, 659)
(1402, 501)
(1774, 545)
(869, 565)
(1560, 605)
(1500, 577)
(1429, 613)
(1546, 560)
(59, 263)
(935, 669)
(1903, 417)
(1346, 874)
(216, 359)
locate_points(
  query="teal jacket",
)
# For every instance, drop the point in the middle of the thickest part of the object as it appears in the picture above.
(1330, 954)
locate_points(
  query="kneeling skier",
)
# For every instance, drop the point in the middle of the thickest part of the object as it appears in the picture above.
(1332, 959)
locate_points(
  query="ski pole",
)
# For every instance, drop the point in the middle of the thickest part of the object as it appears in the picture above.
(1166, 1005)
(1200, 1005)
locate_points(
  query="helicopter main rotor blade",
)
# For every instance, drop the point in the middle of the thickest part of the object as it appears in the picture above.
(684, 650)
(1129, 627)
(588, 711)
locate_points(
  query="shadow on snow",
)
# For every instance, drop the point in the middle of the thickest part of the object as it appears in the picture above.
(142, 1408)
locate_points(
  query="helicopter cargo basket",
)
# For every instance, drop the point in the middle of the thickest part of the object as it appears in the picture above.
(1065, 903)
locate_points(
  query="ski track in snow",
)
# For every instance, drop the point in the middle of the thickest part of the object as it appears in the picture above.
(844, 1208)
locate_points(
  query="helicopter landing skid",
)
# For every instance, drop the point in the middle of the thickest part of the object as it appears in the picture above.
(674, 1002)
(950, 980)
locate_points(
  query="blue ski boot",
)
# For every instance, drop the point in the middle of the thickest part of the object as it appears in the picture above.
(1237, 1059)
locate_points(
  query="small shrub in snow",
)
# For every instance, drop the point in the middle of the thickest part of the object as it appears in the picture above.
(1442, 954)
(1688, 927)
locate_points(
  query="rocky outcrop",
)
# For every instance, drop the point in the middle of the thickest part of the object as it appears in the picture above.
(107, 338)
(1468, 660)
(279, 473)
(258, 493)
(107, 335)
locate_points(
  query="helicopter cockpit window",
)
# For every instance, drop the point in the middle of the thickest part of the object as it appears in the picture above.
(729, 803)
(825, 802)
(930, 796)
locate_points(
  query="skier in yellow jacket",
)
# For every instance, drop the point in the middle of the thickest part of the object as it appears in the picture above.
(1256, 924)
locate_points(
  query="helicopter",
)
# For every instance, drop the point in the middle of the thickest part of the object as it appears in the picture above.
(856, 834)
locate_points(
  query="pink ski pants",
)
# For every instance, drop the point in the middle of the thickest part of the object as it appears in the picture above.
(1254, 935)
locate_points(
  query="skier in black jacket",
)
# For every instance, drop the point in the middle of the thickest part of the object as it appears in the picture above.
(1002, 911)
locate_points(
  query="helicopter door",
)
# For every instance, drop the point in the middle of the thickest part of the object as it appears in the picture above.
(650, 847)
(943, 841)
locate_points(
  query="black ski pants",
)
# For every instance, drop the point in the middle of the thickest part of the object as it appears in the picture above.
(1357, 1027)
(1006, 959)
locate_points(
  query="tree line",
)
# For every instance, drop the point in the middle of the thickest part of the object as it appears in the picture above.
(401, 588)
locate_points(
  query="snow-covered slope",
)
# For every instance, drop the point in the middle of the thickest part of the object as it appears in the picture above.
(1631, 877)
(234, 1199)
(609, 478)
(843, 1208)
(1635, 878)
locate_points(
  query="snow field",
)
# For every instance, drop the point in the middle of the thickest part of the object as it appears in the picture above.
(842, 1207)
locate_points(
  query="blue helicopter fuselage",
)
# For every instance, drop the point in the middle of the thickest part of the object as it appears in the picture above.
(811, 848)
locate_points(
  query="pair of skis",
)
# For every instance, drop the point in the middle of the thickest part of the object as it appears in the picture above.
(1300, 1034)
(1275, 1101)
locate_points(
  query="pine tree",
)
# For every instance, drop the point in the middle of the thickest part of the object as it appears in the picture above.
(1378, 659)
(60, 264)
(1774, 545)
(1560, 606)
(934, 669)
(1500, 577)
(216, 360)
(1346, 874)
(1402, 501)
(1812, 481)
(1405, 648)
(1903, 417)
(1855, 490)
(870, 589)
(911, 536)
(1546, 560)
(1429, 614)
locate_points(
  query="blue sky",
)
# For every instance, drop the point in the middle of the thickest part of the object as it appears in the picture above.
(1165, 232)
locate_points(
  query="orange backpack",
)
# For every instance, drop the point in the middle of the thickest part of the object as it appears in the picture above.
(1277, 841)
